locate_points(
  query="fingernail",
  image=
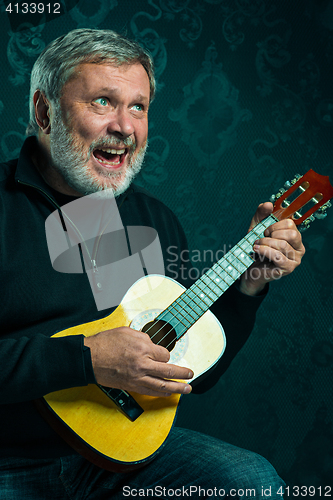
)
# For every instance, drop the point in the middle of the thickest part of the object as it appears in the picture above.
(187, 389)
(255, 247)
(190, 374)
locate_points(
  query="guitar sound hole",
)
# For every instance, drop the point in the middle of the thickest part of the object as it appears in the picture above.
(161, 333)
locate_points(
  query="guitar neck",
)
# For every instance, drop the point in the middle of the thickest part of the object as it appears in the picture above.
(195, 301)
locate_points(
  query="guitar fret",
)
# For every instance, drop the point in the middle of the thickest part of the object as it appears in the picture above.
(190, 311)
(241, 253)
(246, 247)
(205, 297)
(222, 283)
(231, 270)
(212, 285)
(250, 238)
(227, 276)
(173, 305)
(218, 280)
(202, 281)
(258, 235)
(236, 263)
(195, 301)
(193, 296)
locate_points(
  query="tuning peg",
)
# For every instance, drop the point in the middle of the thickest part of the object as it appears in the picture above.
(306, 223)
(287, 185)
(295, 179)
(303, 227)
(321, 212)
(274, 197)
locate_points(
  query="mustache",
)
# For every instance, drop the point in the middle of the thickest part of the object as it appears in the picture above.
(109, 142)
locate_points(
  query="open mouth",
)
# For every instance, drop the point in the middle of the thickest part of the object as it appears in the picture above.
(110, 157)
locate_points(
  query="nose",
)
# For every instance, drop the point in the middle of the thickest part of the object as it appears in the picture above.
(121, 123)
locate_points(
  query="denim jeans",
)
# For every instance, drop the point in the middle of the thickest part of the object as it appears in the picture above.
(190, 465)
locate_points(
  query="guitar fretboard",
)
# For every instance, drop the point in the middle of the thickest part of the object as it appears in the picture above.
(195, 301)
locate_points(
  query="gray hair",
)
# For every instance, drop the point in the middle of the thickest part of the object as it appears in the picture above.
(57, 63)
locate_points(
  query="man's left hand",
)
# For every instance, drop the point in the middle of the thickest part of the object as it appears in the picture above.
(279, 252)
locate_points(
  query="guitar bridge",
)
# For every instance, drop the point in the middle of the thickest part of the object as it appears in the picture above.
(124, 401)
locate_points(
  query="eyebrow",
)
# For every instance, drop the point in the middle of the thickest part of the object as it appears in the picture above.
(115, 90)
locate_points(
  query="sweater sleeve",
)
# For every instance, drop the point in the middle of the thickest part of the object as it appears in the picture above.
(33, 367)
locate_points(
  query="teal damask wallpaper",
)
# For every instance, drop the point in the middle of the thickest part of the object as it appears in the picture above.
(244, 102)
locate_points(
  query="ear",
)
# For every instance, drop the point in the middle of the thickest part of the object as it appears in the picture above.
(42, 112)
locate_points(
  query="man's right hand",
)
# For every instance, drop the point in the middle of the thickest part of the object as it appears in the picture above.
(126, 359)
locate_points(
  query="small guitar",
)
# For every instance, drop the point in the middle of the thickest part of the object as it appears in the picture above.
(120, 431)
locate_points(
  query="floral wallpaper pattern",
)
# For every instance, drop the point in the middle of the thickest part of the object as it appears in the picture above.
(244, 101)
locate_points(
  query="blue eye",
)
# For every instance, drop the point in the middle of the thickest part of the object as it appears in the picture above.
(138, 107)
(102, 101)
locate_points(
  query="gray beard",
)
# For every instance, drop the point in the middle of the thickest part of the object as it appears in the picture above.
(70, 161)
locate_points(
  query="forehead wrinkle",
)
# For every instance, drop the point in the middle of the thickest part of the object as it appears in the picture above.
(85, 76)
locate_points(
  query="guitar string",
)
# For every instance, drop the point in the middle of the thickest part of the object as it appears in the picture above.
(238, 244)
(199, 306)
(186, 328)
(205, 285)
(180, 321)
(182, 308)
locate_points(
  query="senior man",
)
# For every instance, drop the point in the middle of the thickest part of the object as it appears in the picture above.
(89, 101)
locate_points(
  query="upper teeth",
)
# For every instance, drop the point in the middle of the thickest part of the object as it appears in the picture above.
(114, 151)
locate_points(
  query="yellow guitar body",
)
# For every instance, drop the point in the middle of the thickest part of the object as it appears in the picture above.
(91, 421)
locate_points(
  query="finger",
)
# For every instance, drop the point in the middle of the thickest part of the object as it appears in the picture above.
(292, 240)
(288, 248)
(168, 371)
(277, 257)
(160, 353)
(157, 352)
(153, 351)
(161, 394)
(155, 394)
(162, 386)
(286, 225)
(263, 211)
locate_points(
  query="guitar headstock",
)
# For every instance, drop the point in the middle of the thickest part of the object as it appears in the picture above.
(303, 199)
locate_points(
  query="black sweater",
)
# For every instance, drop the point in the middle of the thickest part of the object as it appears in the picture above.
(37, 301)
